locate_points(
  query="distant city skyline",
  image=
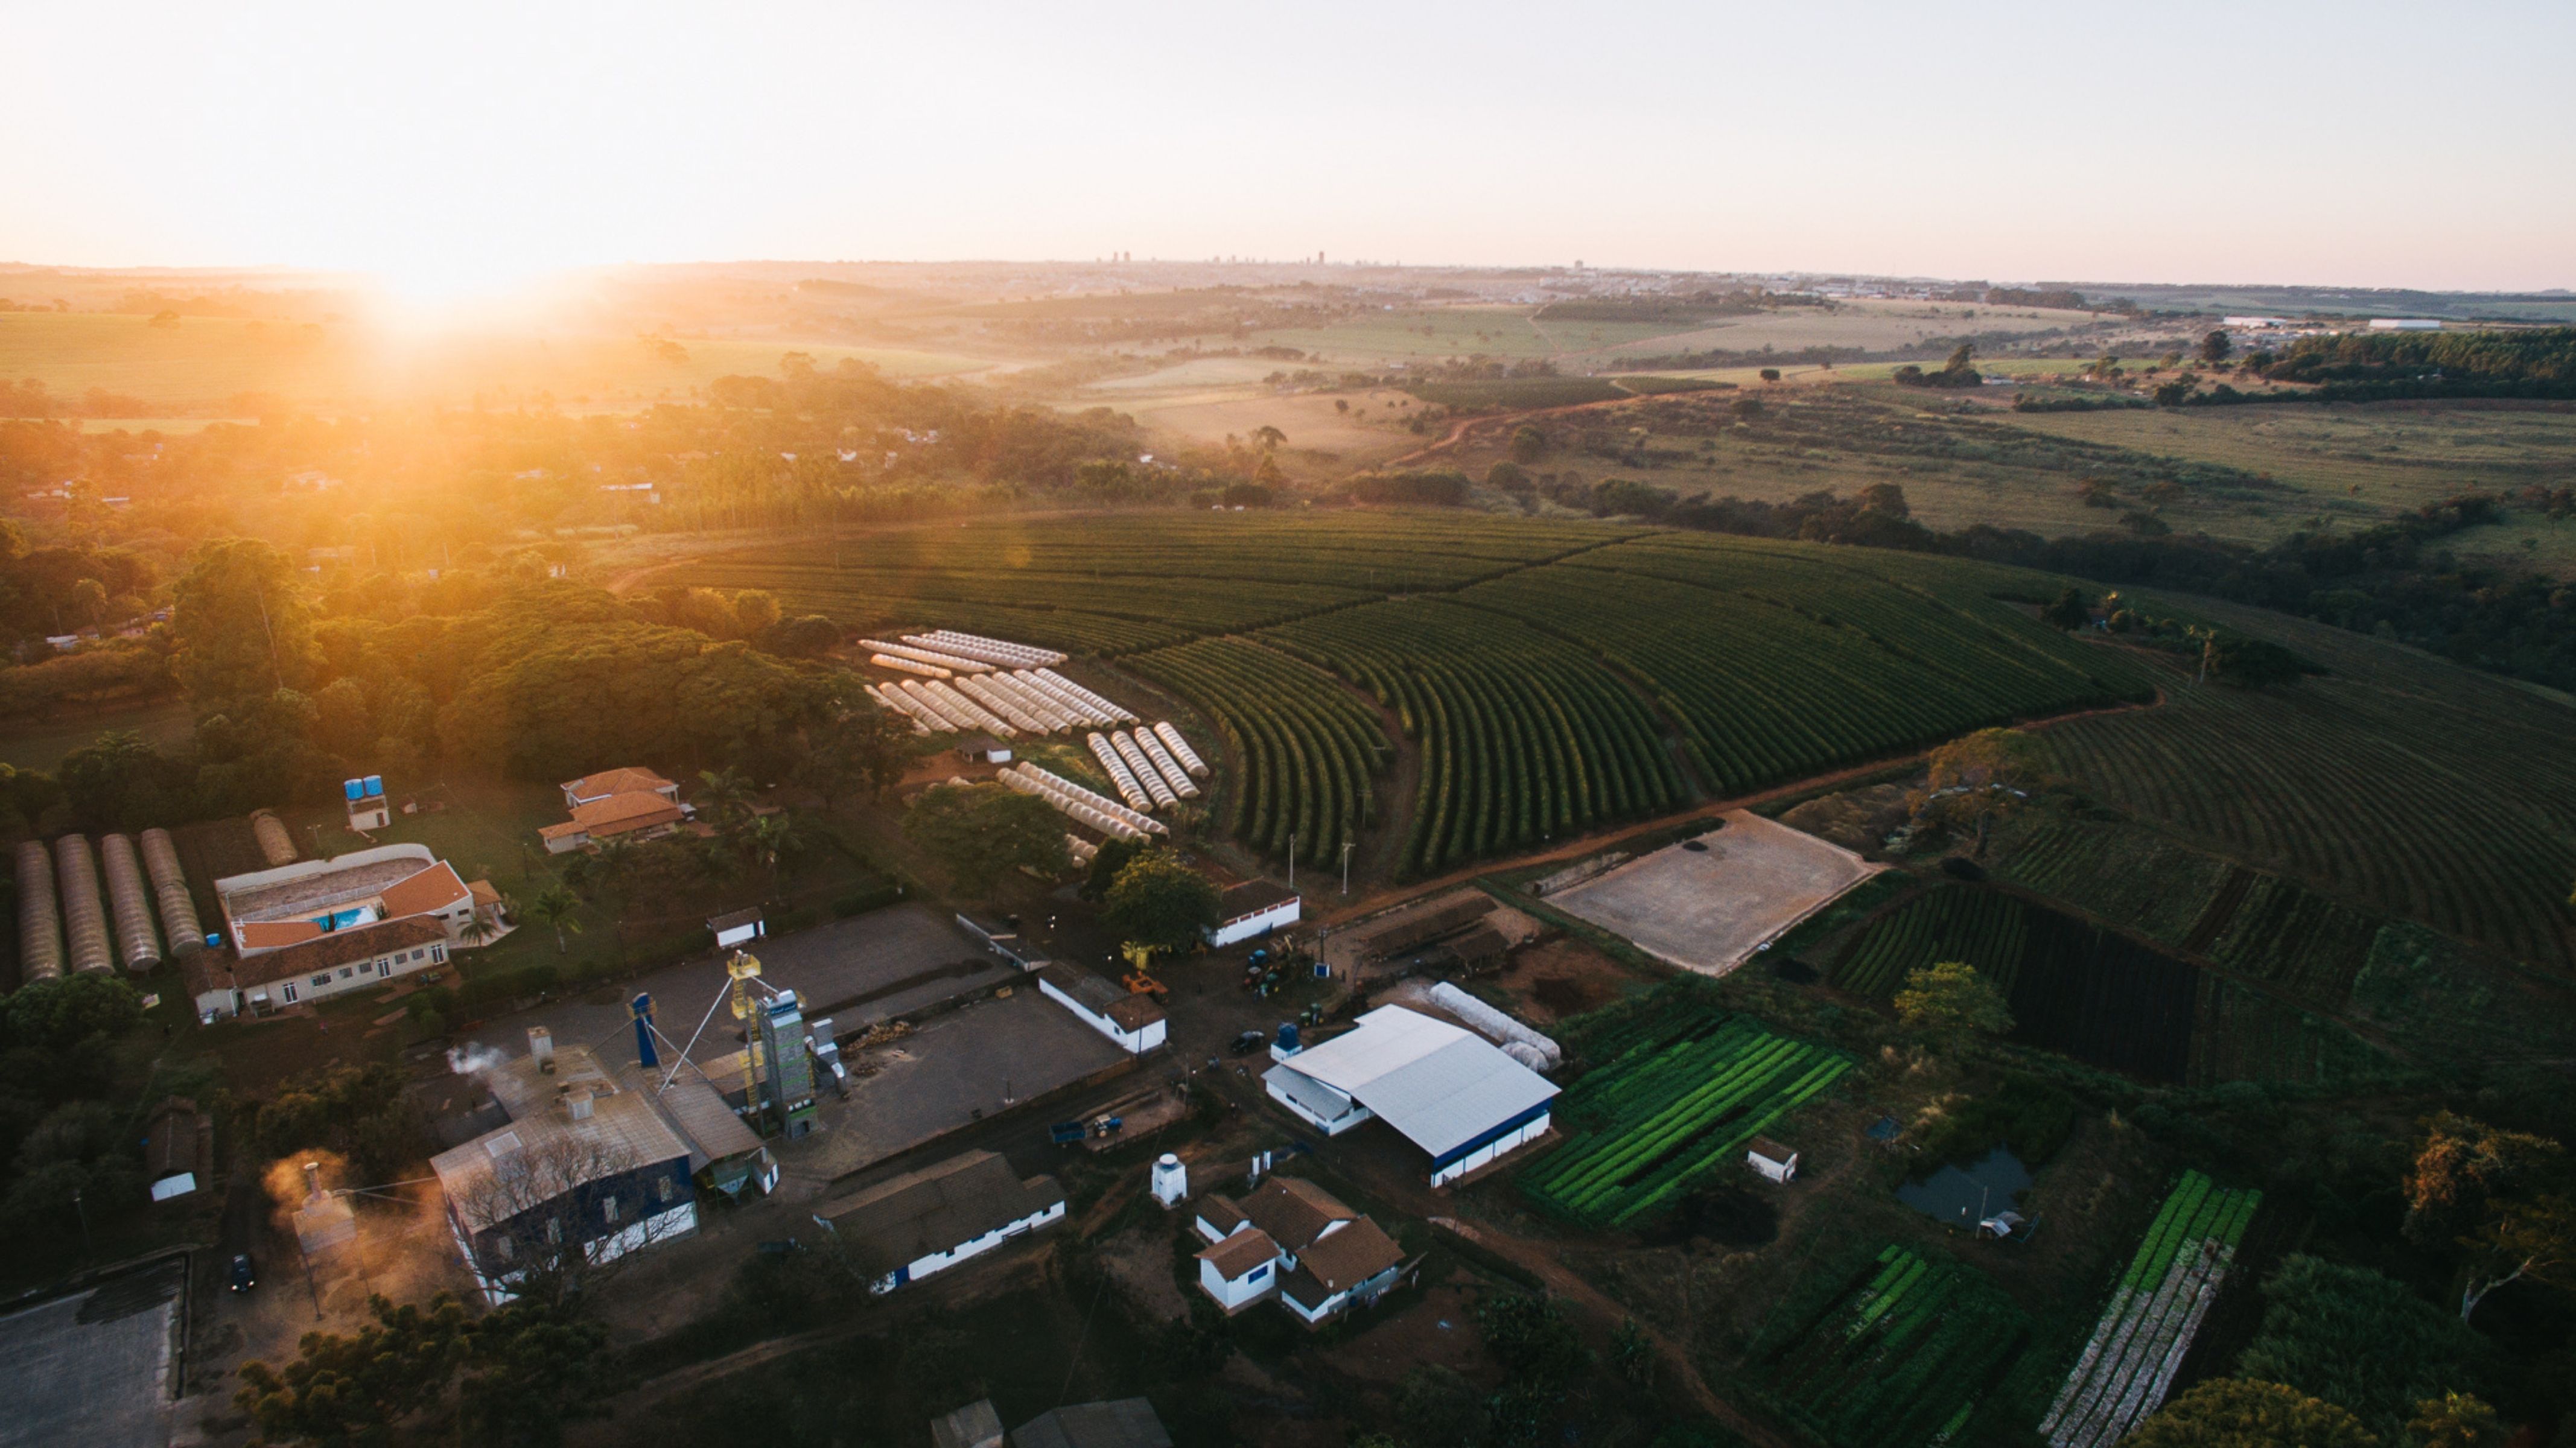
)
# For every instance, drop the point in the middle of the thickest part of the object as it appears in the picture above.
(459, 148)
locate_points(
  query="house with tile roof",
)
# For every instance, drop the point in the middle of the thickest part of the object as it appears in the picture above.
(635, 815)
(317, 927)
(1291, 1239)
(592, 788)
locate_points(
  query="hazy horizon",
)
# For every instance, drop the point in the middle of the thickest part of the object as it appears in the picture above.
(457, 149)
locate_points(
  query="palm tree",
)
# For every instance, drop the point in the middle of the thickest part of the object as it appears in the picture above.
(475, 931)
(723, 793)
(557, 906)
(770, 837)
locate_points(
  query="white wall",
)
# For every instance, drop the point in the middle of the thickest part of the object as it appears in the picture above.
(1492, 1151)
(1132, 1042)
(1283, 913)
(936, 1262)
(1244, 1290)
(1333, 1127)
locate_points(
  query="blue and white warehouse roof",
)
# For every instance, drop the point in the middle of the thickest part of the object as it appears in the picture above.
(1441, 1086)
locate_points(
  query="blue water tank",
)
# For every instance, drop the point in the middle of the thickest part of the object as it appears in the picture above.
(375, 786)
(355, 789)
(1288, 1035)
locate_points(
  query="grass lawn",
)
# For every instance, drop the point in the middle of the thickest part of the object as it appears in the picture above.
(41, 742)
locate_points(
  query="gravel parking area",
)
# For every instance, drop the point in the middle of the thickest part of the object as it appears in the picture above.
(93, 1369)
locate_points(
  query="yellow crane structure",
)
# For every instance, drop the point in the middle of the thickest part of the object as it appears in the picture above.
(743, 969)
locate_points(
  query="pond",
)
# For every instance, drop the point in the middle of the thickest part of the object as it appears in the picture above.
(1964, 1196)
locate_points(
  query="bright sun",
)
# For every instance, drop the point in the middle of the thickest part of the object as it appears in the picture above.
(454, 285)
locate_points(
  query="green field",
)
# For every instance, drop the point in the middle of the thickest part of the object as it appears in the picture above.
(2155, 1311)
(201, 365)
(1900, 1351)
(1676, 1088)
(1563, 666)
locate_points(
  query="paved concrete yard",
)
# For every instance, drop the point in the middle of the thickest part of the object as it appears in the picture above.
(938, 1077)
(856, 971)
(92, 1369)
(1707, 910)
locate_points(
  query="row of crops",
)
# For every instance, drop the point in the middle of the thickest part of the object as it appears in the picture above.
(2295, 940)
(2139, 1342)
(2442, 800)
(2074, 988)
(1308, 749)
(1690, 1087)
(2121, 873)
(1524, 737)
(1900, 1352)
(2240, 1033)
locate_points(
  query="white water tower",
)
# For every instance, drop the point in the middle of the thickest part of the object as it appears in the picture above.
(1171, 1180)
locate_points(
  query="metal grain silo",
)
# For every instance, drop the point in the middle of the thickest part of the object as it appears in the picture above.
(84, 914)
(131, 905)
(170, 888)
(40, 921)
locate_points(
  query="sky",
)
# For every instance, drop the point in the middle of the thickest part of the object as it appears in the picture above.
(455, 144)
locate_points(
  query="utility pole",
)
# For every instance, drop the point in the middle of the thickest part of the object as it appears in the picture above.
(1346, 867)
(1292, 862)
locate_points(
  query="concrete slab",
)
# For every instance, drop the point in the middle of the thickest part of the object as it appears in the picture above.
(1710, 909)
(957, 1068)
(92, 1369)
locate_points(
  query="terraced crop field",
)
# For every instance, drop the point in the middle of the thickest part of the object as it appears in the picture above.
(1689, 1086)
(2075, 988)
(2416, 788)
(1902, 1352)
(1524, 737)
(1555, 675)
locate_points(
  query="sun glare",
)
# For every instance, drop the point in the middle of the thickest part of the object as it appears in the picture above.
(433, 290)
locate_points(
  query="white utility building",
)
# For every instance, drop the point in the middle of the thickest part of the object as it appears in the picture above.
(1448, 1090)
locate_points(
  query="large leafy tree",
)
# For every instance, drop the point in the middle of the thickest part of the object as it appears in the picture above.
(1975, 781)
(2500, 1199)
(242, 626)
(1158, 902)
(2237, 1413)
(979, 833)
(2361, 1341)
(1950, 1002)
(516, 1375)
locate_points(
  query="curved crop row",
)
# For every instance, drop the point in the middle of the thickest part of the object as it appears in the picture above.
(1308, 750)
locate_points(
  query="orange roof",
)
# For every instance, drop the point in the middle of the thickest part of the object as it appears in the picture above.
(616, 781)
(483, 892)
(631, 810)
(435, 888)
(270, 934)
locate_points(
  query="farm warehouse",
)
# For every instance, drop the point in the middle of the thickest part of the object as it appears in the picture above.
(1450, 1091)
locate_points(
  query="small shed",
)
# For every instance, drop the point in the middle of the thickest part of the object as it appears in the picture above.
(983, 749)
(173, 1149)
(1776, 1162)
(974, 1426)
(738, 927)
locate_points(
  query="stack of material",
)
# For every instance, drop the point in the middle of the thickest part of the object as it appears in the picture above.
(275, 841)
(84, 915)
(976, 646)
(1080, 695)
(909, 666)
(1084, 708)
(40, 923)
(1053, 715)
(170, 888)
(1181, 749)
(1082, 850)
(1164, 764)
(1144, 770)
(894, 702)
(1098, 811)
(1119, 774)
(136, 940)
(931, 657)
(997, 701)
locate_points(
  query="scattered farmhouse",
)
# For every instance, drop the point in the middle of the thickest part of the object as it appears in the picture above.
(318, 927)
(1132, 1020)
(1255, 907)
(610, 783)
(1291, 1239)
(585, 1165)
(930, 1220)
(636, 815)
(1448, 1090)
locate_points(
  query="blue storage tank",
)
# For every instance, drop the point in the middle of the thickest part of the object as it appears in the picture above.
(1288, 1035)
(355, 789)
(375, 786)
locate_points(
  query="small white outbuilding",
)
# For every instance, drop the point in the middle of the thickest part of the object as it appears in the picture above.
(1775, 1162)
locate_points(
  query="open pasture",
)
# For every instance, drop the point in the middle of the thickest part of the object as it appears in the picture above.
(203, 363)
(1877, 326)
